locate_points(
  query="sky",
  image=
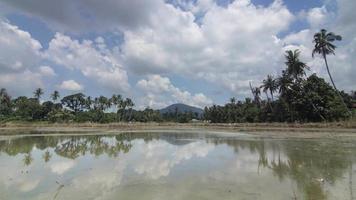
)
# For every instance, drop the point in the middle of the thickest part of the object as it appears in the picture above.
(198, 52)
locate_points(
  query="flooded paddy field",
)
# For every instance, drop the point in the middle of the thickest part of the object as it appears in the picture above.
(176, 165)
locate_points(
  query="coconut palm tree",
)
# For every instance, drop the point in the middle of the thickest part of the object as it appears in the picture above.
(88, 102)
(324, 46)
(295, 67)
(284, 83)
(256, 92)
(269, 84)
(129, 103)
(38, 93)
(103, 103)
(233, 100)
(55, 96)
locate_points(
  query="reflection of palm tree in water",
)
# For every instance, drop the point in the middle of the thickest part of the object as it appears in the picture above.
(28, 159)
(47, 156)
(308, 164)
(311, 165)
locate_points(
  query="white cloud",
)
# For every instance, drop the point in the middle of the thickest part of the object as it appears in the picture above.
(46, 71)
(98, 65)
(317, 16)
(160, 92)
(20, 55)
(224, 43)
(19, 51)
(71, 85)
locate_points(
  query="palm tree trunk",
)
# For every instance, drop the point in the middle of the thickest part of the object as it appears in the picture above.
(130, 114)
(268, 101)
(327, 68)
(332, 81)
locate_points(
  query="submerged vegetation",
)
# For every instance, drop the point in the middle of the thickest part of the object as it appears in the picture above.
(300, 98)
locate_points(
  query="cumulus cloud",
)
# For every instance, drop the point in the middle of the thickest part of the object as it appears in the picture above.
(222, 44)
(46, 71)
(160, 92)
(98, 65)
(317, 17)
(18, 49)
(71, 85)
(20, 55)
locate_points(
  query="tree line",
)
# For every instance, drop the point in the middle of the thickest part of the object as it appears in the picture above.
(302, 98)
(81, 108)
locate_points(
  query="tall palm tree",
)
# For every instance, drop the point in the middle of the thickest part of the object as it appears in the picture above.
(116, 100)
(295, 67)
(269, 84)
(284, 83)
(38, 93)
(256, 92)
(129, 104)
(324, 46)
(88, 102)
(233, 100)
(55, 96)
(104, 103)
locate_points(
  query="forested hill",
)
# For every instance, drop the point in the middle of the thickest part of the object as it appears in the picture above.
(182, 108)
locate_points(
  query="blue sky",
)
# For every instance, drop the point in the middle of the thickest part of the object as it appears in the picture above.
(159, 52)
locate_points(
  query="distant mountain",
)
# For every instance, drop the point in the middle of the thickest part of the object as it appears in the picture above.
(182, 108)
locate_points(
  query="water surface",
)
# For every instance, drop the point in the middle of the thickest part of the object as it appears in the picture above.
(176, 166)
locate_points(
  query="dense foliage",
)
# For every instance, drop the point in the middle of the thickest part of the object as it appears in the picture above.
(81, 108)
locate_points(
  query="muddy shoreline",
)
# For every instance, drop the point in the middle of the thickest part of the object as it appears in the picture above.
(278, 130)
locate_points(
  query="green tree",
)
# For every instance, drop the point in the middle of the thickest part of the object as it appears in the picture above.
(38, 93)
(55, 96)
(27, 108)
(75, 102)
(295, 67)
(269, 84)
(5, 102)
(129, 104)
(324, 46)
(256, 92)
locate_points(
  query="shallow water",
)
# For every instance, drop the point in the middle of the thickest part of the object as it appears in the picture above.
(176, 166)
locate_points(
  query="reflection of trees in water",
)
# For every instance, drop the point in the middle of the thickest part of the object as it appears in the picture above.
(311, 164)
(66, 146)
(75, 146)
